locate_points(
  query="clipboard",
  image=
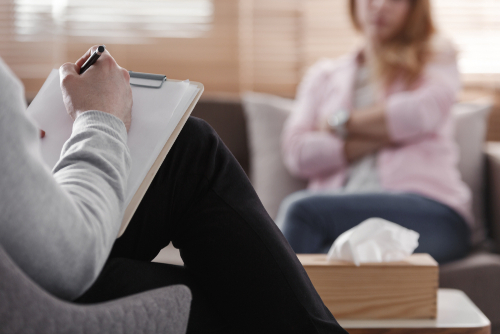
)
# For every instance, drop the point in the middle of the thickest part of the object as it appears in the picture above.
(139, 194)
(161, 108)
(139, 79)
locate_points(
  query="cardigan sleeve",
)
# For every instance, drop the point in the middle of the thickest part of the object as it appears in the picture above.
(308, 152)
(414, 114)
(59, 226)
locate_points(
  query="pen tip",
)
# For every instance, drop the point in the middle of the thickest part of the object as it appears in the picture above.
(101, 48)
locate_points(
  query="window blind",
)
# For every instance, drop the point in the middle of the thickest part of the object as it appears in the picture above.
(231, 46)
(474, 26)
(327, 31)
(183, 39)
(270, 45)
(282, 38)
(119, 21)
(322, 28)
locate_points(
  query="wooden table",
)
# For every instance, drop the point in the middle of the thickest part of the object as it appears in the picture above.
(456, 314)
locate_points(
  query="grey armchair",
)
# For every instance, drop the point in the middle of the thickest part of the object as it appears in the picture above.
(26, 308)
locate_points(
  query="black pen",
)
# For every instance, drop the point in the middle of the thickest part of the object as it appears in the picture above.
(93, 58)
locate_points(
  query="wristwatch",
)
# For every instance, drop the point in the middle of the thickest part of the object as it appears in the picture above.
(337, 122)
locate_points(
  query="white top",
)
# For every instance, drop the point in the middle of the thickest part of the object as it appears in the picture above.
(454, 310)
(362, 174)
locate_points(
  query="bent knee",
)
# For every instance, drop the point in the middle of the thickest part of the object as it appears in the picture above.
(196, 127)
(197, 134)
(300, 211)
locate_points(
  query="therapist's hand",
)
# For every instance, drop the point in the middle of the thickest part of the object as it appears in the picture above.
(105, 86)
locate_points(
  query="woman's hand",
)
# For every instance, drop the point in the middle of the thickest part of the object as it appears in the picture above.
(356, 148)
(369, 123)
(105, 86)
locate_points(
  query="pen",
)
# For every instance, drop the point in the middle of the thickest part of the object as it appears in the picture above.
(93, 58)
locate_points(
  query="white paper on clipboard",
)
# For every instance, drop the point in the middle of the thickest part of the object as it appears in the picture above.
(156, 114)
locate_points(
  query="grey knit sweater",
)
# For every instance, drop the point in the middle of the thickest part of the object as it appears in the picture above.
(59, 226)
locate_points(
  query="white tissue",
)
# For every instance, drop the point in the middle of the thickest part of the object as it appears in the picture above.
(374, 240)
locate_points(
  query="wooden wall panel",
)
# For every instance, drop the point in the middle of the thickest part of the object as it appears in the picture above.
(282, 38)
(270, 57)
(212, 59)
(259, 45)
(327, 31)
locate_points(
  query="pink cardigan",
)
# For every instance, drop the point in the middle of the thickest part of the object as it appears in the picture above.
(425, 159)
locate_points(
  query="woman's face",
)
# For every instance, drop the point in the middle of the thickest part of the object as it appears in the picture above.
(382, 19)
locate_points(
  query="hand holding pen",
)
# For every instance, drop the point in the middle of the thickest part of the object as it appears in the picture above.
(89, 62)
(104, 87)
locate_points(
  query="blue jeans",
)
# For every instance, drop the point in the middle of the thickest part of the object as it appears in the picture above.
(312, 221)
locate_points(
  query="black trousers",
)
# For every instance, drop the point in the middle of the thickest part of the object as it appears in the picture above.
(244, 276)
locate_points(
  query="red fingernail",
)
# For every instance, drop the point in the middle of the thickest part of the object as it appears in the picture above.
(42, 134)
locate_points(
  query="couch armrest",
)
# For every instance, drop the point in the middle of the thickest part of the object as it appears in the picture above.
(26, 308)
(477, 276)
(492, 152)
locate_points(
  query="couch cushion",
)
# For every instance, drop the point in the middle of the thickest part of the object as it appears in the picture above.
(265, 117)
(470, 132)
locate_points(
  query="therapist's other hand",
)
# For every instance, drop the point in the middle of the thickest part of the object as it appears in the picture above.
(105, 86)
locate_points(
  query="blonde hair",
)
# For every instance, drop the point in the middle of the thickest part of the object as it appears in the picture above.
(405, 55)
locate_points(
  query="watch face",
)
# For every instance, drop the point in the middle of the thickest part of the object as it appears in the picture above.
(341, 117)
(338, 118)
(333, 120)
(337, 122)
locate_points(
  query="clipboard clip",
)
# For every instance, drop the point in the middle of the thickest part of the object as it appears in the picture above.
(147, 80)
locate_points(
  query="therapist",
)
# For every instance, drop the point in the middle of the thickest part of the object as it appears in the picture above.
(60, 227)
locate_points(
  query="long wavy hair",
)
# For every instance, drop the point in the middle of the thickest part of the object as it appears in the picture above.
(405, 55)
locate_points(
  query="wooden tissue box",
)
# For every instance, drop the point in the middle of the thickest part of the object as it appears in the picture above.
(394, 290)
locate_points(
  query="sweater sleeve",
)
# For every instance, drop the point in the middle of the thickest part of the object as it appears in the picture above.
(59, 226)
(308, 152)
(417, 113)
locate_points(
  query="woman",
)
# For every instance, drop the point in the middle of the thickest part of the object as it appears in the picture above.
(373, 134)
(60, 227)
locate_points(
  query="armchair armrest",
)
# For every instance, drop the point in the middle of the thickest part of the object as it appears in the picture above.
(26, 308)
(164, 310)
(492, 152)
